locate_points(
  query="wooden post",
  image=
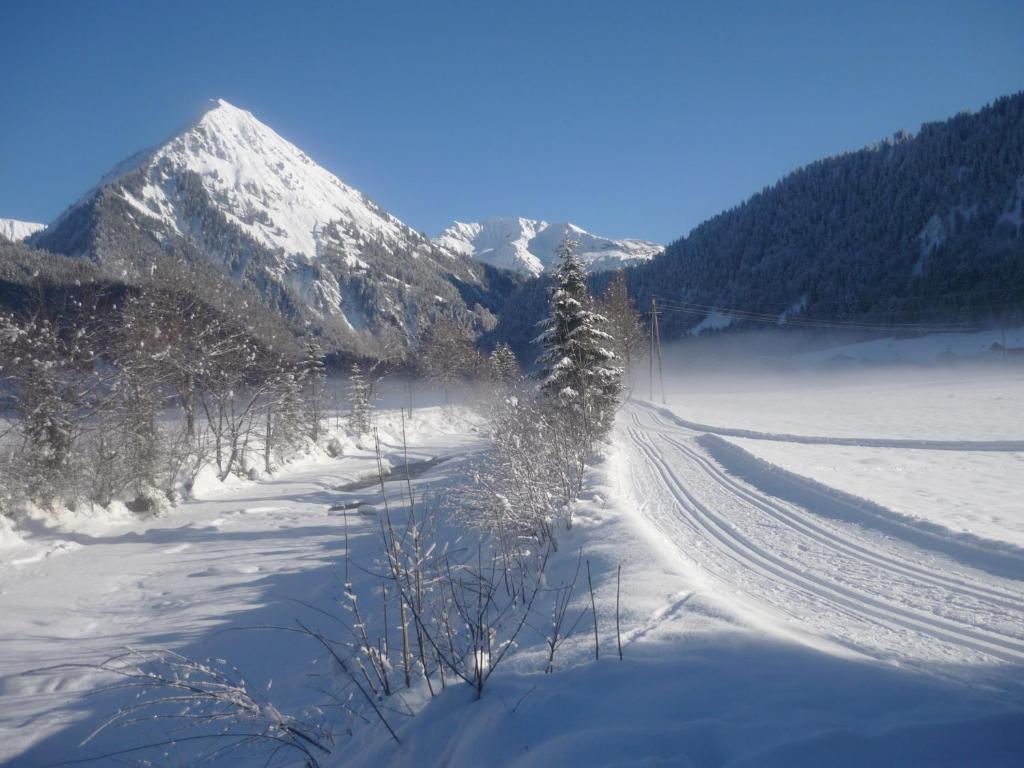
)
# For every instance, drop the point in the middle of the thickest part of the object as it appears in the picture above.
(651, 355)
(656, 339)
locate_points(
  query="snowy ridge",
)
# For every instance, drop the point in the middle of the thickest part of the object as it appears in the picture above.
(529, 246)
(15, 230)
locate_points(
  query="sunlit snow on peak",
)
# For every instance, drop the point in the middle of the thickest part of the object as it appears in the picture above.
(263, 183)
(530, 246)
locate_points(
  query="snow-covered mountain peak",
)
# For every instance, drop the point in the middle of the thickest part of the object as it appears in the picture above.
(261, 182)
(228, 190)
(529, 245)
(15, 230)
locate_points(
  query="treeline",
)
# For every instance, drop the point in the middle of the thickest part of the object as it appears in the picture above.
(117, 391)
(126, 391)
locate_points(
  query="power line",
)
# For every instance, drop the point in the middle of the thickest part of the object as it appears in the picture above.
(704, 310)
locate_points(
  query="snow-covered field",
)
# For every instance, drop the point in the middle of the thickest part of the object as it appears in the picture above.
(239, 556)
(876, 404)
(977, 492)
(845, 604)
(770, 621)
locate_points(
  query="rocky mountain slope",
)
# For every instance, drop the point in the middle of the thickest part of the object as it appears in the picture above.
(230, 192)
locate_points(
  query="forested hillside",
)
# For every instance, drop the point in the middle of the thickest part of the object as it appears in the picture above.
(916, 228)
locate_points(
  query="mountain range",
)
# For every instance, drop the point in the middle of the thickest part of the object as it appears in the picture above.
(917, 228)
(529, 247)
(229, 192)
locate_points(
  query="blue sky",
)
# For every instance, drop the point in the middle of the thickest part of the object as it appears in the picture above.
(629, 118)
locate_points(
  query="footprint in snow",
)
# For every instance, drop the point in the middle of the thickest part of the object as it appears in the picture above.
(59, 548)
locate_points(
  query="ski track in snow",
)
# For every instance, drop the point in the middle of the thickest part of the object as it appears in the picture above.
(784, 563)
(875, 594)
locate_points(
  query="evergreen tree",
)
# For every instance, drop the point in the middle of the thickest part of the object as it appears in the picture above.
(360, 415)
(578, 369)
(502, 366)
(284, 417)
(314, 374)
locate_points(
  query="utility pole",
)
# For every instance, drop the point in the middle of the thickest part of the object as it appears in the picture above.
(656, 336)
(650, 357)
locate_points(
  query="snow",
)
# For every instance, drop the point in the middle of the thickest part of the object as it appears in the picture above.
(530, 246)
(15, 230)
(315, 228)
(792, 311)
(963, 491)
(241, 556)
(806, 569)
(261, 182)
(762, 624)
(9, 536)
(870, 405)
(935, 232)
(1013, 216)
(927, 349)
(714, 321)
(273, 192)
(930, 237)
(756, 632)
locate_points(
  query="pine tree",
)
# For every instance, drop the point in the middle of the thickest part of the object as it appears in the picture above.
(313, 375)
(578, 369)
(284, 417)
(360, 415)
(502, 366)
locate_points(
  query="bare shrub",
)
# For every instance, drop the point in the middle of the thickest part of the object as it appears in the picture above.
(206, 701)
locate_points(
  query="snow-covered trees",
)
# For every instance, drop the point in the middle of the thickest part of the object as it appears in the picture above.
(128, 393)
(48, 375)
(448, 354)
(533, 473)
(529, 478)
(623, 324)
(314, 373)
(578, 366)
(502, 366)
(360, 418)
(284, 428)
